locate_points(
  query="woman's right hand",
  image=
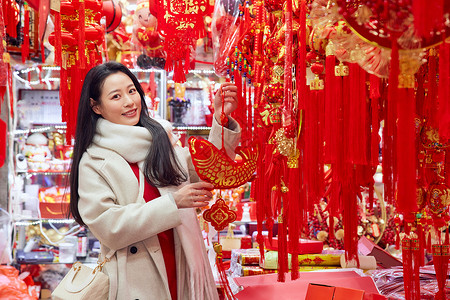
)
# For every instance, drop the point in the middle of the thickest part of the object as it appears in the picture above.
(196, 194)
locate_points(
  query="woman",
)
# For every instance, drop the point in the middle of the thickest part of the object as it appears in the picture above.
(136, 192)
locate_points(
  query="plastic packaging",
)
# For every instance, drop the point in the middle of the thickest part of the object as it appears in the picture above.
(13, 288)
(225, 31)
(390, 284)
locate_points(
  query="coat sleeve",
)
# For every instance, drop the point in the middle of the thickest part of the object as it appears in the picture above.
(118, 226)
(232, 136)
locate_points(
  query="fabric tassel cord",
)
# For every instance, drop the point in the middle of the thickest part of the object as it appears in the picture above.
(440, 260)
(406, 153)
(222, 275)
(407, 268)
(26, 34)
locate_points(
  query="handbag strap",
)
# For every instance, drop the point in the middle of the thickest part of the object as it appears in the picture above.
(70, 287)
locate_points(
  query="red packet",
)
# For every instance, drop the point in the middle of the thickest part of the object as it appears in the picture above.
(319, 291)
(342, 293)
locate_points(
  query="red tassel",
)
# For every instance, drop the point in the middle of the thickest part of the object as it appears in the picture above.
(350, 221)
(444, 91)
(58, 46)
(314, 151)
(422, 244)
(82, 34)
(428, 16)
(330, 110)
(407, 268)
(187, 61)
(295, 217)
(283, 266)
(358, 138)
(26, 34)
(375, 95)
(429, 249)
(389, 134)
(440, 260)
(223, 279)
(11, 24)
(429, 110)
(406, 153)
(416, 268)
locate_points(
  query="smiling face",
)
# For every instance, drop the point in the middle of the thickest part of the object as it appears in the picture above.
(119, 101)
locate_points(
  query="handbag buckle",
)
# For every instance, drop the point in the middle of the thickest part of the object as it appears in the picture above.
(100, 265)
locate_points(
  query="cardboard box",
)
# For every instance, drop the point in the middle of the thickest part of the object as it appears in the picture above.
(319, 291)
(305, 247)
(368, 248)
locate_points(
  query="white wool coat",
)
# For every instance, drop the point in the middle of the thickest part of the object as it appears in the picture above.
(112, 206)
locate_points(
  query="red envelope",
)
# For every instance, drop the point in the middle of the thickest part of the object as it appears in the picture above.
(341, 293)
(317, 291)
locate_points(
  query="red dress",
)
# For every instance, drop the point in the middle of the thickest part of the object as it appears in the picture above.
(165, 238)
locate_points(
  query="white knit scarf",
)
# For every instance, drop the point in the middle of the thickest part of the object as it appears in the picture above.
(131, 142)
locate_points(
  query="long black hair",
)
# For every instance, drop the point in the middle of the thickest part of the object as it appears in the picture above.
(161, 167)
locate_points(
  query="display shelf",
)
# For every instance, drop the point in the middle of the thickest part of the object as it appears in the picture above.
(35, 221)
(45, 128)
(29, 172)
(90, 260)
(191, 128)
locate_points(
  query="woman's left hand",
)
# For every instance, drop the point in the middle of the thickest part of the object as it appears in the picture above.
(229, 91)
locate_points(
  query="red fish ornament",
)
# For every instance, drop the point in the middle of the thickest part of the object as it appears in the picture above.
(216, 167)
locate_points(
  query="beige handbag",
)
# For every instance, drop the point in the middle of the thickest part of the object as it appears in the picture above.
(83, 282)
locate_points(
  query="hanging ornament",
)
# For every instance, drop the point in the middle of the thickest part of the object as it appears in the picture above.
(78, 39)
(181, 24)
(215, 166)
(219, 215)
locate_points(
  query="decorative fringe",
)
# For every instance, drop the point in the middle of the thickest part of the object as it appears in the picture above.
(58, 46)
(375, 96)
(178, 72)
(422, 244)
(283, 266)
(358, 137)
(302, 88)
(295, 217)
(82, 34)
(406, 153)
(428, 15)
(223, 279)
(415, 249)
(11, 25)
(430, 105)
(350, 220)
(330, 127)
(440, 260)
(407, 268)
(389, 133)
(26, 34)
(444, 91)
(429, 247)
(314, 151)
